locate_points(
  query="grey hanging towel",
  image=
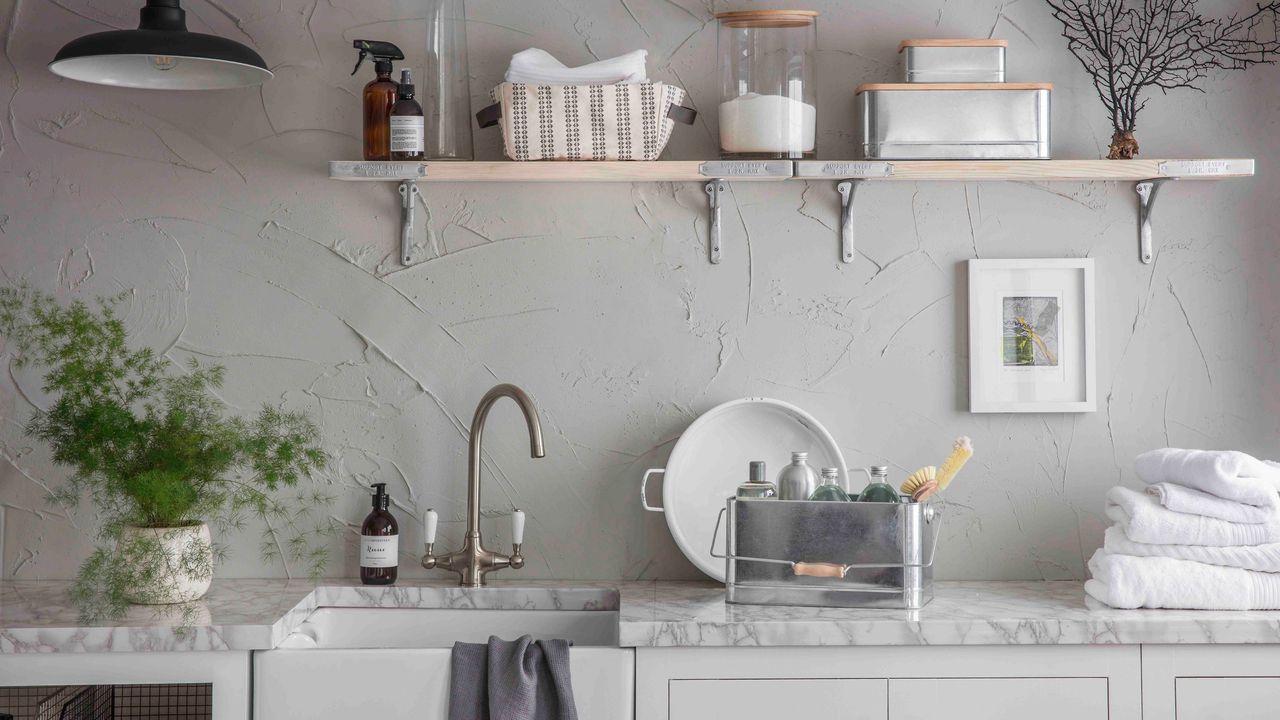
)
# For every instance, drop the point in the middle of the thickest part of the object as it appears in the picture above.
(522, 679)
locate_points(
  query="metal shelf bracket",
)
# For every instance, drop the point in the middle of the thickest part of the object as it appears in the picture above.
(408, 203)
(847, 188)
(1147, 190)
(714, 188)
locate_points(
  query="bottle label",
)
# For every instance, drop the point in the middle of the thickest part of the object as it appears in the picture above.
(379, 551)
(406, 134)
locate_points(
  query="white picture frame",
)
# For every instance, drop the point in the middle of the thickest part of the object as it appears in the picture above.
(1031, 336)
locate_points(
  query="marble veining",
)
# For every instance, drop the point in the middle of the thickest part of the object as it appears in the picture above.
(258, 614)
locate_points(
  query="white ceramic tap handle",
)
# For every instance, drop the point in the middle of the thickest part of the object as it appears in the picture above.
(517, 527)
(429, 523)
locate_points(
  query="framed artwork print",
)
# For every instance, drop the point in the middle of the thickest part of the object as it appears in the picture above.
(1031, 336)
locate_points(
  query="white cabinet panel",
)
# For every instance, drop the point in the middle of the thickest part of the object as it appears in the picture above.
(744, 699)
(1223, 698)
(998, 699)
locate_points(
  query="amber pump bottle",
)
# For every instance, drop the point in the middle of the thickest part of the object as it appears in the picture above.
(379, 96)
(379, 542)
(408, 136)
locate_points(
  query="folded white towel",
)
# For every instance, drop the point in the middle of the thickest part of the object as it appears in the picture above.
(1124, 581)
(1145, 520)
(1263, 558)
(1227, 474)
(539, 67)
(1183, 499)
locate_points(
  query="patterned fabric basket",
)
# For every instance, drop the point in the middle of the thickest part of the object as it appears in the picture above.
(585, 122)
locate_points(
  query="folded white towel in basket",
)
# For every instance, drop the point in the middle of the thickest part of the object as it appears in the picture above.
(1227, 474)
(1124, 581)
(1183, 499)
(1144, 520)
(1263, 558)
(539, 67)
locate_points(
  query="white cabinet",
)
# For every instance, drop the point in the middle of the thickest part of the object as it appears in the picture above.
(890, 683)
(1053, 698)
(1227, 698)
(227, 671)
(1210, 682)
(811, 699)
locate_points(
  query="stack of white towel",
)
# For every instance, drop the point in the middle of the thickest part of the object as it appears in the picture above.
(1203, 535)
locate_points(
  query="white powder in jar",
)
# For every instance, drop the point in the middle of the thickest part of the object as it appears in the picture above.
(755, 123)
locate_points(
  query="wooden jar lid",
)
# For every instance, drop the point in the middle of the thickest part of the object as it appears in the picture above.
(952, 43)
(767, 18)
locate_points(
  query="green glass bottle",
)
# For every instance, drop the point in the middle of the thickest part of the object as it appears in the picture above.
(830, 488)
(879, 489)
(756, 485)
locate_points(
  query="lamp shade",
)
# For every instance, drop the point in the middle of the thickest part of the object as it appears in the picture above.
(160, 55)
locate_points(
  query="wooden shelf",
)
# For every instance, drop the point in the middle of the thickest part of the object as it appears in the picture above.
(1147, 176)
(580, 171)
(776, 170)
(1025, 170)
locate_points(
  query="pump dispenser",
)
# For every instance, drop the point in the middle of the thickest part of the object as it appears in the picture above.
(379, 97)
(379, 542)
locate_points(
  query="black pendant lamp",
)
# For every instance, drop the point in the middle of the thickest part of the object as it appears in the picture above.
(160, 55)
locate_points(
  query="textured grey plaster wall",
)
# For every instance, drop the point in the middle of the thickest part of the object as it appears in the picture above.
(214, 210)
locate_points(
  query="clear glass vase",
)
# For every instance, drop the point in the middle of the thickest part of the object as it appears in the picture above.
(446, 87)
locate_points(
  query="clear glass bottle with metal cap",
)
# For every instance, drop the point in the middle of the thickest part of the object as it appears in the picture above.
(756, 485)
(830, 488)
(797, 481)
(768, 95)
(879, 489)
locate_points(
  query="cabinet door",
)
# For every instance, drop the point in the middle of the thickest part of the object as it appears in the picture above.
(1219, 698)
(998, 698)
(744, 699)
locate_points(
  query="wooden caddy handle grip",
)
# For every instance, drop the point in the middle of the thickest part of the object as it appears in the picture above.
(819, 569)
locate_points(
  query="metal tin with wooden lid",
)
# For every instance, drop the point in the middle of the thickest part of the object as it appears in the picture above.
(952, 121)
(946, 61)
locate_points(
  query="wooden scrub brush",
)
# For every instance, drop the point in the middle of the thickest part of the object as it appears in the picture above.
(926, 481)
(919, 479)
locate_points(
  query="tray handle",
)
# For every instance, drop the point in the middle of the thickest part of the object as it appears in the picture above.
(644, 486)
(819, 569)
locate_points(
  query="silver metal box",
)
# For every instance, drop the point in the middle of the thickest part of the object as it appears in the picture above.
(948, 61)
(941, 121)
(865, 554)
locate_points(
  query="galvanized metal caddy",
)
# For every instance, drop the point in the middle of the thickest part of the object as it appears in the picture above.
(829, 554)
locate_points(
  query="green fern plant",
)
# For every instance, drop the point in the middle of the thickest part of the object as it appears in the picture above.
(154, 449)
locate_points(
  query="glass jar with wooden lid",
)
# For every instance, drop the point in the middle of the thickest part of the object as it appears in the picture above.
(768, 95)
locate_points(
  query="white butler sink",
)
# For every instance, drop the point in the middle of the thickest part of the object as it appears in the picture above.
(389, 663)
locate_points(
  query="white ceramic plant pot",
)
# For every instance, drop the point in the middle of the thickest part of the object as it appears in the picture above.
(180, 546)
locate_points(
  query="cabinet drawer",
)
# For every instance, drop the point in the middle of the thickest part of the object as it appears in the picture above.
(998, 698)
(832, 699)
(1237, 698)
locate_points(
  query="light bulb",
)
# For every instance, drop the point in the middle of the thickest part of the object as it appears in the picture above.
(163, 62)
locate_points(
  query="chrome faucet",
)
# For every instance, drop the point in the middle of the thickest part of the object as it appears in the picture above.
(473, 561)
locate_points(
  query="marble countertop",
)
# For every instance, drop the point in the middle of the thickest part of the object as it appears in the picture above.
(35, 616)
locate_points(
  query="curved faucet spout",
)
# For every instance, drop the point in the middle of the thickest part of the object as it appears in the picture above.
(522, 399)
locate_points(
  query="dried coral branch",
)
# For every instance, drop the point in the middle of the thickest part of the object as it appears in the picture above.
(1131, 46)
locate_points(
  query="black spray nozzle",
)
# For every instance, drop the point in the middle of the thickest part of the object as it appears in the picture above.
(406, 83)
(380, 50)
(380, 499)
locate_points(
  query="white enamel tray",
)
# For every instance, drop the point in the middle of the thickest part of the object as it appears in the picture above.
(710, 460)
